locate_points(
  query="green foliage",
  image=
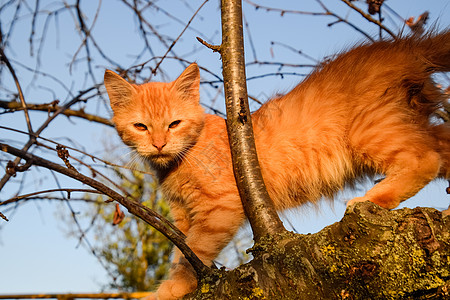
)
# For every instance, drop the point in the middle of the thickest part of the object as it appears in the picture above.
(138, 254)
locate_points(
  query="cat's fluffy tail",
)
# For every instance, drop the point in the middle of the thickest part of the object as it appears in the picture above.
(425, 55)
(434, 53)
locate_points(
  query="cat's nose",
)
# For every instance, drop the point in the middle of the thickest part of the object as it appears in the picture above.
(159, 145)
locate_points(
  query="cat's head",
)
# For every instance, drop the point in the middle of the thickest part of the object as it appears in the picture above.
(161, 121)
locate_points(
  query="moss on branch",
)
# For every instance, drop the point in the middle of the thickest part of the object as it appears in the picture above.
(372, 253)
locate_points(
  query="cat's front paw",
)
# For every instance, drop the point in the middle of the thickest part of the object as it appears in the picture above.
(175, 289)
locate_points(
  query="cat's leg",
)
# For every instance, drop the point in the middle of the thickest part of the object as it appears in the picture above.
(446, 212)
(212, 225)
(182, 222)
(441, 134)
(408, 162)
(181, 275)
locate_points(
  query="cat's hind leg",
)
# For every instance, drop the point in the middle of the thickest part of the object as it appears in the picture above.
(441, 133)
(407, 174)
(403, 152)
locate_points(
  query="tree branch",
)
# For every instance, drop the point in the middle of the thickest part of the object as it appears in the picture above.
(258, 206)
(178, 37)
(149, 216)
(32, 136)
(25, 196)
(372, 253)
(53, 107)
(369, 18)
(214, 48)
(5, 60)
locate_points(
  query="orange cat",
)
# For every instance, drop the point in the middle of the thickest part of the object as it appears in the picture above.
(367, 112)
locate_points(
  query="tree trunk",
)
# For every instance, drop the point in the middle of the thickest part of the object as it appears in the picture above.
(258, 206)
(372, 253)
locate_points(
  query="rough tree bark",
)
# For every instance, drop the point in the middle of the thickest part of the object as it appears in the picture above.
(372, 253)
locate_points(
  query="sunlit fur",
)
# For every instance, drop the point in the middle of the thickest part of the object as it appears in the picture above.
(366, 112)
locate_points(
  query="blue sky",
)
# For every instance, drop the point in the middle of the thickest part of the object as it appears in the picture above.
(36, 255)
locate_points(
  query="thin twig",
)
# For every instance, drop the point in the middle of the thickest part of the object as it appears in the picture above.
(179, 36)
(3, 217)
(282, 12)
(5, 60)
(68, 190)
(86, 31)
(299, 52)
(369, 18)
(93, 157)
(141, 65)
(214, 48)
(142, 22)
(340, 19)
(32, 136)
(13, 106)
(326, 12)
(281, 65)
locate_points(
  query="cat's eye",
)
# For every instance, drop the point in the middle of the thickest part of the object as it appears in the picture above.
(174, 124)
(140, 126)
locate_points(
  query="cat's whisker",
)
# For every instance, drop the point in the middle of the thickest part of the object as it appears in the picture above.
(135, 161)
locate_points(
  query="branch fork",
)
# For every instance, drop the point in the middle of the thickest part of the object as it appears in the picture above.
(12, 168)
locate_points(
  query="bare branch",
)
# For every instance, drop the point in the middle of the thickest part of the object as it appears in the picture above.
(3, 217)
(214, 48)
(340, 19)
(32, 136)
(30, 195)
(282, 12)
(93, 157)
(369, 18)
(147, 215)
(13, 106)
(178, 37)
(5, 60)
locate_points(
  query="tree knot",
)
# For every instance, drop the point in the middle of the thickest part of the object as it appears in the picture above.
(242, 112)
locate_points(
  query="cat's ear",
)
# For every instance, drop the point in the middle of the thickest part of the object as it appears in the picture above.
(119, 90)
(188, 83)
